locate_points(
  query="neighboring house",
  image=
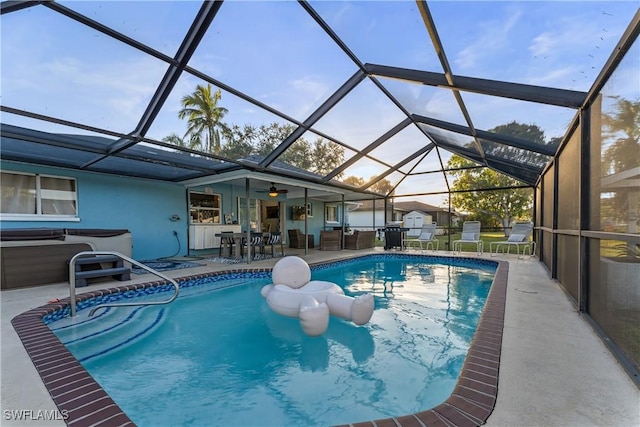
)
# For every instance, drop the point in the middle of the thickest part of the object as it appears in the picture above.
(362, 217)
(438, 215)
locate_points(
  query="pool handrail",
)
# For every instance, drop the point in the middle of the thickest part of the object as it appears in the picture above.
(72, 282)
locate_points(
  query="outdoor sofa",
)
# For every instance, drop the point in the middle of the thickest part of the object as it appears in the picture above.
(360, 240)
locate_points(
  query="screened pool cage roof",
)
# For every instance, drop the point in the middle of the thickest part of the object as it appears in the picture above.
(391, 89)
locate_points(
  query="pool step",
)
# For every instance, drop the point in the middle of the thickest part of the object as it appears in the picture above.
(113, 329)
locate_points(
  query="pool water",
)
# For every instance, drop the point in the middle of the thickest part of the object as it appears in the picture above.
(219, 356)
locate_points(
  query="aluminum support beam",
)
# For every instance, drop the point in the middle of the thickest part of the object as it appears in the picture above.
(523, 92)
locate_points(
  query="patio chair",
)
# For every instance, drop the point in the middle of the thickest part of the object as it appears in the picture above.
(227, 243)
(360, 240)
(520, 236)
(330, 240)
(296, 239)
(255, 241)
(470, 234)
(275, 238)
(427, 236)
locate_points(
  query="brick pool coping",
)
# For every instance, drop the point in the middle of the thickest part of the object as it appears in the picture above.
(83, 402)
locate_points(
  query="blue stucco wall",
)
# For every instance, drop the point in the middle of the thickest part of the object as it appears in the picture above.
(314, 223)
(141, 206)
(144, 208)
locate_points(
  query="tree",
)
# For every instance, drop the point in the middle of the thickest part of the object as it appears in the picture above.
(622, 129)
(501, 206)
(326, 157)
(354, 181)
(175, 139)
(530, 133)
(204, 117)
(621, 153)
(268, 137)
(206, 131)
(494, 206)
(319, 157)
(383, 186)
(239, 141)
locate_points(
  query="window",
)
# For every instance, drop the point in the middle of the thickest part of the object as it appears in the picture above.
(254, 210)
(204, 208)
(331, 213)
(29, 196)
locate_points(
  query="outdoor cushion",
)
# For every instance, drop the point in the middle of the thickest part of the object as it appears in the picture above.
(469, 236)
(516, 238)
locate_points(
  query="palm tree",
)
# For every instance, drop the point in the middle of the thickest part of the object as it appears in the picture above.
(204, 118)
(175, 139)
(622, 130)
(620, 154)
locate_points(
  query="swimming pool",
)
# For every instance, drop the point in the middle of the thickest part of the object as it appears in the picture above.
(348, 362)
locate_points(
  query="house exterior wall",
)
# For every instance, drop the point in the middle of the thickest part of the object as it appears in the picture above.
(144, 208)
(364, 220)
(105, 201)
(315, 223)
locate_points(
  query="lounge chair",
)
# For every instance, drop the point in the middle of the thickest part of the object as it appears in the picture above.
(520, 236)
(470, 234)
(427, 236)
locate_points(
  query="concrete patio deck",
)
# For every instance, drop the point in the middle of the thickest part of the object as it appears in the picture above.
(554, 370)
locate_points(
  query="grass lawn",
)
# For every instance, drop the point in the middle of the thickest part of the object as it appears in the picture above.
(486, 237)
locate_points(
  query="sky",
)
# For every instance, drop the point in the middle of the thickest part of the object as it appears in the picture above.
(276, 54)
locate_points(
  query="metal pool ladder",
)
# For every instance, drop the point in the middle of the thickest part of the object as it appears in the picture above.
(72, 282)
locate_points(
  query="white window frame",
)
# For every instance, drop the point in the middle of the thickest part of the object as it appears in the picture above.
(39, 216)
(215, 213)
(327, 210)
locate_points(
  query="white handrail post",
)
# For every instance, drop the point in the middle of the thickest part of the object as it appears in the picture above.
(72, 282)
(72, 279)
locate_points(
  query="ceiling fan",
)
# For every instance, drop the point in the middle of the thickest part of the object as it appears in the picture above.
(273, 191)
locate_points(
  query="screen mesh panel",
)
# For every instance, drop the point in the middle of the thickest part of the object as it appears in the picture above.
(614, 293)
(568, 265)
(547, 213)
(569, 185)
(615, 153)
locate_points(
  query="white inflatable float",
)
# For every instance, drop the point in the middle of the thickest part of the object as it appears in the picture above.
(294, 294)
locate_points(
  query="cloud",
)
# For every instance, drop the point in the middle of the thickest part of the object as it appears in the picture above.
(110, 94)
(308, 92)
(491, 36)
(553, 76)
(543, 44)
